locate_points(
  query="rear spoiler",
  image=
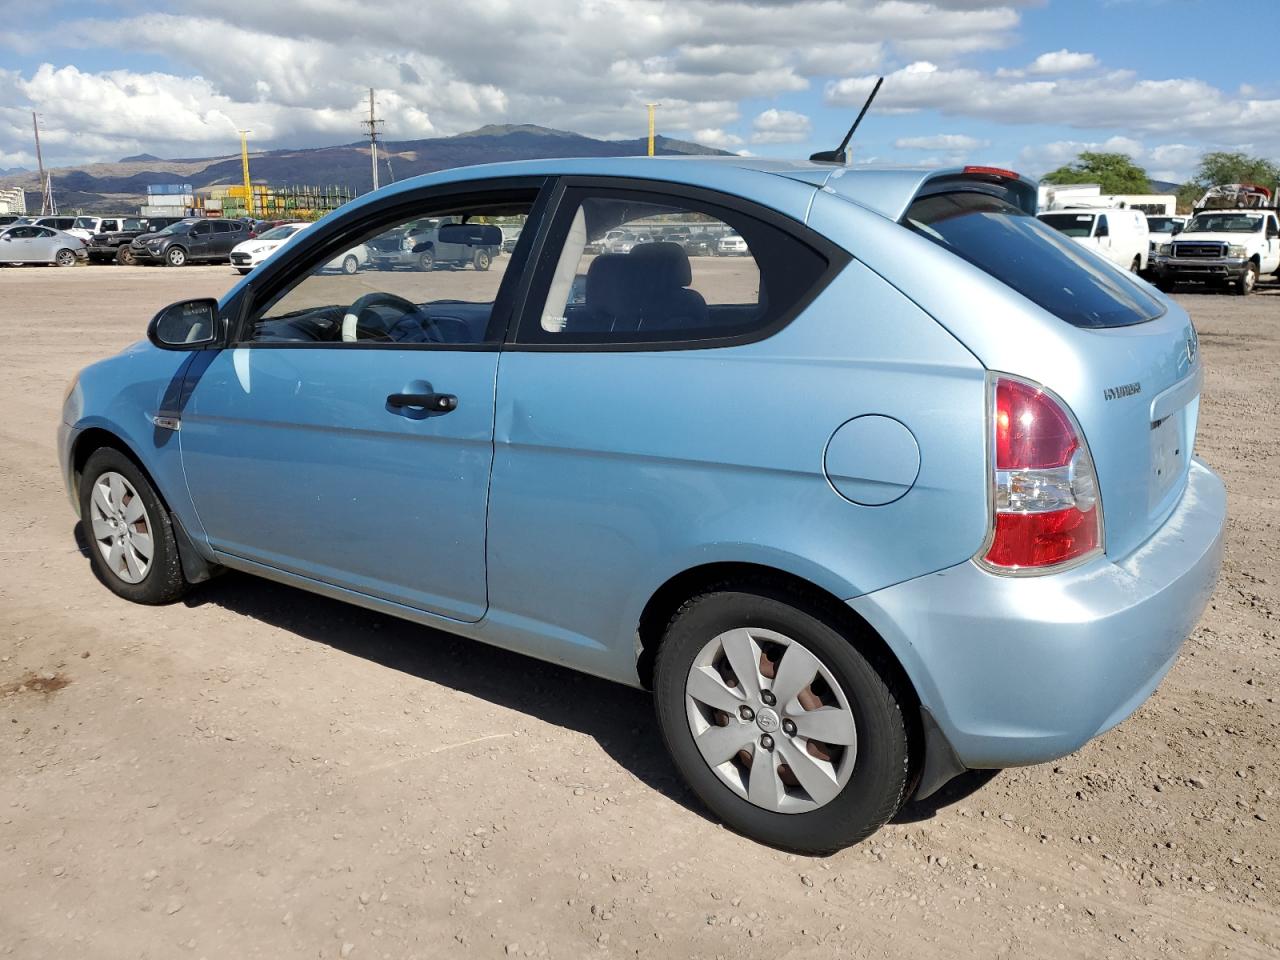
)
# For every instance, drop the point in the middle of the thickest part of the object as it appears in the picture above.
(890, 192)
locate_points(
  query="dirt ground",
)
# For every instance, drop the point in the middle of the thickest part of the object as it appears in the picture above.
(260, 772)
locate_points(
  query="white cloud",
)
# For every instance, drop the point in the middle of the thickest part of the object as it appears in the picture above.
(715, 137)
(1115, 100)
(297, 70)
(941, 141)
(780, 126)
(1062, 61)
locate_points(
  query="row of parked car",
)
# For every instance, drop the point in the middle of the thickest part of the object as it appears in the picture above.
(694, 243)
(1233, 239)
(177, 241)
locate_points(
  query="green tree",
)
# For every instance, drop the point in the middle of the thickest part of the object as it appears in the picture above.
(1113, 172)
(1226, 167)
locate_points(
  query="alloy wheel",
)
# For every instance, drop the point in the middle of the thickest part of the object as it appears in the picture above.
(771, 720)
(121, 527)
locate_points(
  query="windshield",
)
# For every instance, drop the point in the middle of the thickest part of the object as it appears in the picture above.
(282, 232)
(1161, 224)
(1072, 224)
(86, 223)
(175, 228)
(1224, 223)
(1033, 259)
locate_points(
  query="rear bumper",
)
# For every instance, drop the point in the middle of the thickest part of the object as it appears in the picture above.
(1024, 670)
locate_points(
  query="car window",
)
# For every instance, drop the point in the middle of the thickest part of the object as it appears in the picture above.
(621, 277)
(1032, 258)
(1070, 224)
(417, 281)
(283, 232)
(221, 227)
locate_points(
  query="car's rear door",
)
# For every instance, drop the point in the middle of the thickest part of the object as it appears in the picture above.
(347, 435)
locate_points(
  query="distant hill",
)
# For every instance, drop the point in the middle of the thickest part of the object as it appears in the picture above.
(122, 185)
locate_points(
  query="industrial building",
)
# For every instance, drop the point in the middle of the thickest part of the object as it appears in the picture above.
(13, 200)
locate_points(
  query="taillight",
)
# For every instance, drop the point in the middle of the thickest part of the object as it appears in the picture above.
(1044, 487)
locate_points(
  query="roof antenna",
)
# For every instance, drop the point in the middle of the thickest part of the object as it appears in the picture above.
(838, 155)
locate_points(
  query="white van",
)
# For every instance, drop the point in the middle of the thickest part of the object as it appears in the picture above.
(1119, 235)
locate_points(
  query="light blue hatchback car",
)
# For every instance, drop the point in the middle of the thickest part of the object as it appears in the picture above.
(905, 490)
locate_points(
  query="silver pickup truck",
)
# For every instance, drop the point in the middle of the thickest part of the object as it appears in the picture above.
(429, 245)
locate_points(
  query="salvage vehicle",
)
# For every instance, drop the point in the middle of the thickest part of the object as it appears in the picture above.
(432, 244)
(193, 240)
(25, 243)
(1227, 247)
(1119, 235)
(908, 491)
(112, 245)
(247, 255)
(87, 227)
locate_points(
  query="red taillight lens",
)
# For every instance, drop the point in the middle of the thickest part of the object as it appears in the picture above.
(1044, 488)
(1032, 430)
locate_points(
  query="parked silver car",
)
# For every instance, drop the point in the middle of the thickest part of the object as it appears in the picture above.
(28, 243)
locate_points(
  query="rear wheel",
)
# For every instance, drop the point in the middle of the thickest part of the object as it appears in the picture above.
(783, 728)
(125, 256)
(131, 542)
(350, 264)
(482, 260)
(1136, 266)
(65, 258)
(175, 257)
(1248, 280)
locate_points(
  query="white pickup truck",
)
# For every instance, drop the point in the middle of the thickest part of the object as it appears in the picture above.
(1229, 245)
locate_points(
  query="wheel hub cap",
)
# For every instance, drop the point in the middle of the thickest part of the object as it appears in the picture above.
(771, 720)
(121, 527)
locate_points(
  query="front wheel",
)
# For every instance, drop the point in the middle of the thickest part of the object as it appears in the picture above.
(426, 260)
(783, 728)
(350, 265)
(1136, 266)
(243, 271)
(175, 257)
(65, 258)
(125, 257)
(1247, 280)
(131, 542)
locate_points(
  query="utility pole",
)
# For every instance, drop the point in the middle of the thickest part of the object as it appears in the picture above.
(244, 163)
(372, 125)
(652, 107)
(47, 206)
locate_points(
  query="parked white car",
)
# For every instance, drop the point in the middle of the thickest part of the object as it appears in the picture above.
(28, 243)
(1225, 247)
(1120, 235)
(732, 245)
(86, 227)
(247, 255)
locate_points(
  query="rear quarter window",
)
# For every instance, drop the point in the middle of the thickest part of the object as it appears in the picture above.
(1046, 267)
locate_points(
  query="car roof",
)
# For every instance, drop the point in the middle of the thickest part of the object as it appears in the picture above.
(884, 190)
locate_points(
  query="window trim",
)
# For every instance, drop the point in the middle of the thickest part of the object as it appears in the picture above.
(554, 230)
(318, 247)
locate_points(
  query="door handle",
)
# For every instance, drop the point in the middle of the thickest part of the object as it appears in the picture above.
(437, 402)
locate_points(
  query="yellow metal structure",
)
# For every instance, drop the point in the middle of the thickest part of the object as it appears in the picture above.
(652, 107)
(244, 161)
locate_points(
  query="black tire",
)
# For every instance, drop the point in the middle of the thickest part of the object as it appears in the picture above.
(1136, 266)
(163, 582)
(482, 260)
(65, 258)
(125, 257)
(243, 271)
(426, 260)
(1165, 285)
(175, 256)
(878, 784)
(350, 264)
(1247, 281)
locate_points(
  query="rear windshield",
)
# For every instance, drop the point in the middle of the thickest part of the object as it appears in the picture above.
(1034, 259)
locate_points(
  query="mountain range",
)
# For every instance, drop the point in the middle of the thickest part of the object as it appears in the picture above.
(120, 186)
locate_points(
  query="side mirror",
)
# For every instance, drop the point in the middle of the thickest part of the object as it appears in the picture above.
(1103, 230)
(186, 325)
(1177, 229)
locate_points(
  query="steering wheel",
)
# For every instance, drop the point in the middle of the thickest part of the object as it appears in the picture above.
(351, 321)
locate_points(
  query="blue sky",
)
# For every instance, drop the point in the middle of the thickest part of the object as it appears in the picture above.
(1025, 83)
